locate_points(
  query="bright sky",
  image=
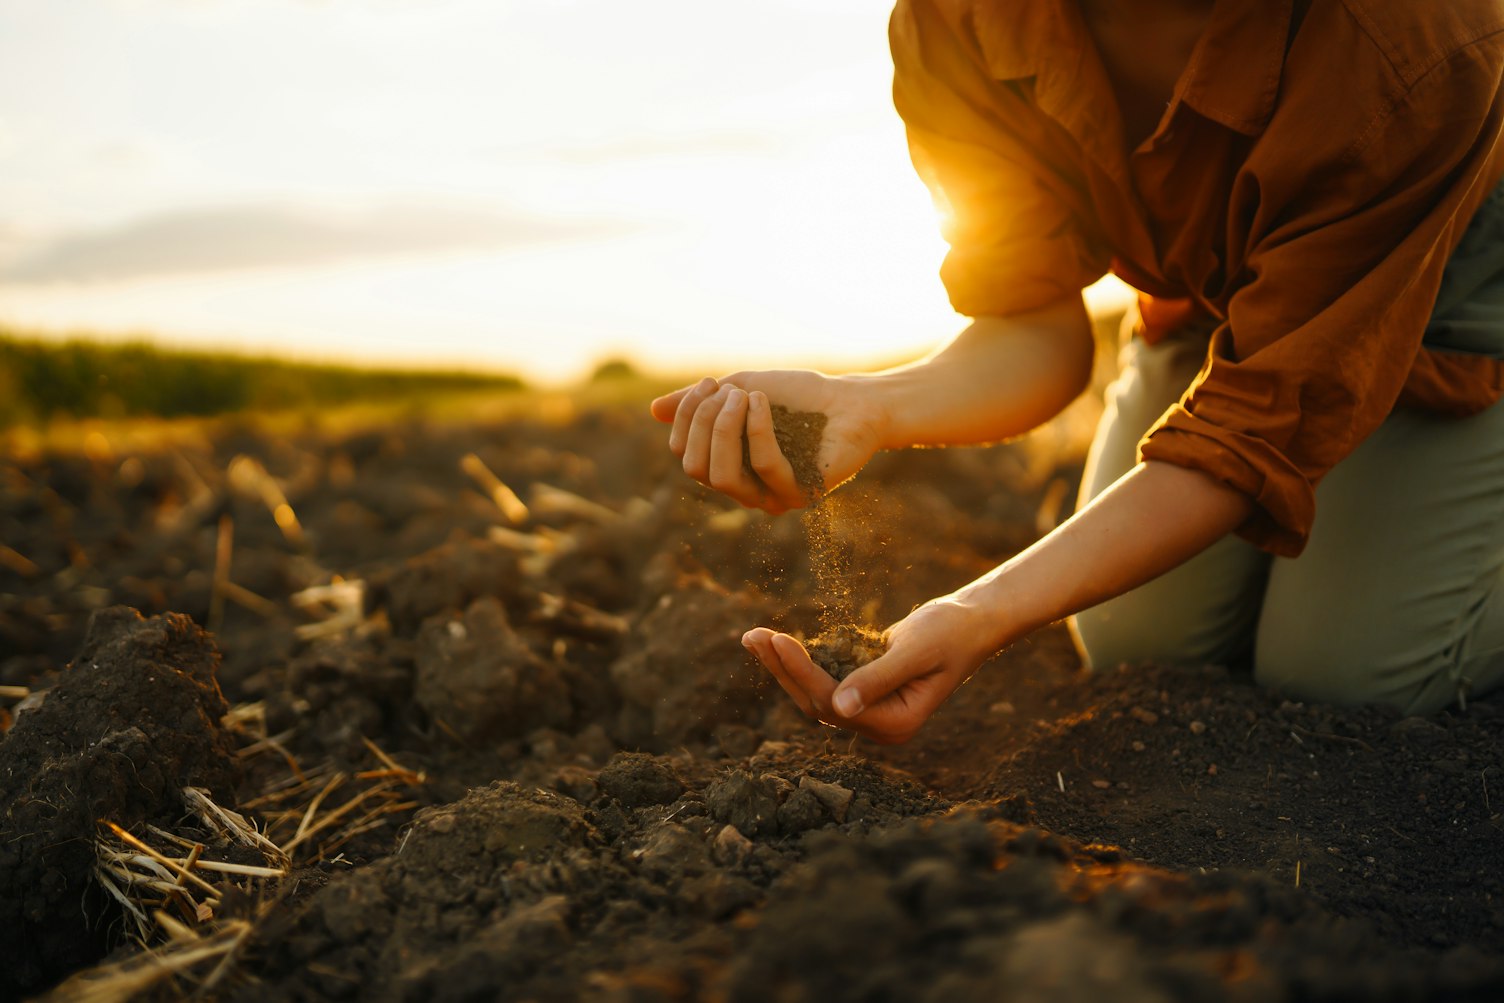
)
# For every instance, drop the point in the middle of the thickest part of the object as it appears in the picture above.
(522, 185)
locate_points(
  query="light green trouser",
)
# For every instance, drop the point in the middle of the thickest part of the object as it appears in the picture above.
(1398, 598)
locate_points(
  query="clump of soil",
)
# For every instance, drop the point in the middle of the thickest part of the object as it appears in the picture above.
(683, 671)
(445, 578)
(843, 649)
(799, 434)
(133, 722)
(477, 676)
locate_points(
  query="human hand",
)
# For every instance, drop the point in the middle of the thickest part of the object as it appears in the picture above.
(931, 652)
(712, 420)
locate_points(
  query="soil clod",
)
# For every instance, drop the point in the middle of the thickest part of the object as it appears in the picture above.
(124, 731)
(842, 650)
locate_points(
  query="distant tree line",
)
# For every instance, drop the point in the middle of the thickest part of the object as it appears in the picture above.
(40, 380)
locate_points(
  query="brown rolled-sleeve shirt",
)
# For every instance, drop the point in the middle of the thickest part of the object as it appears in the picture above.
(1317, 165)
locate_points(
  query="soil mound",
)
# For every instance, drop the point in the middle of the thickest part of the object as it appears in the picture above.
(127, 727)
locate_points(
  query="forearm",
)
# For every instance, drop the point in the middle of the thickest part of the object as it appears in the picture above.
(1153, 519)
(999, 378)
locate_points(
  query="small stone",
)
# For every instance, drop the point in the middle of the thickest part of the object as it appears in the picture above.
(1143, 716)
(835, 798)
(1101, 785)
(1001, 707)
(1211, 770)
(1198, 728)
(672, 850)
(1138, 746)
(782, 787)
(730, 846)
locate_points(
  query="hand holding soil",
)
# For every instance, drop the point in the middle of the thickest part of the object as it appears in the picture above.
(724, 433)
(929, 654)
(846, 648)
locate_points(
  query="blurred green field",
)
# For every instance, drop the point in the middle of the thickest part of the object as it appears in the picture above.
(44, 382)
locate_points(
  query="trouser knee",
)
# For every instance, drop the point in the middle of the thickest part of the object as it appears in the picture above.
(1105, 640)
(1346, 670)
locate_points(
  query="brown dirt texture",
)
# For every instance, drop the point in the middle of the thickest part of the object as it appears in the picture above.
(478, 693)
(799, 435)
(843, 649)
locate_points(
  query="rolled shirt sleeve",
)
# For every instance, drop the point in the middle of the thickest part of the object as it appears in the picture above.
(1016, 242)
(1345, 260)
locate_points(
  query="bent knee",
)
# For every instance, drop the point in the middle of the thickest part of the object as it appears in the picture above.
(1114, 634)
(1349, 672)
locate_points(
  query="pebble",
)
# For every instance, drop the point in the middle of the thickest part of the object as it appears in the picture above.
(1198, 728)
(731, 845)
(835, 798)
(1142, 715)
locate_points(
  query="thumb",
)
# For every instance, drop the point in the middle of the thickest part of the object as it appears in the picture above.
(870, 683)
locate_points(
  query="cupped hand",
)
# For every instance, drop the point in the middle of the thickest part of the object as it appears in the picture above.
(931, 652)
(720, 427)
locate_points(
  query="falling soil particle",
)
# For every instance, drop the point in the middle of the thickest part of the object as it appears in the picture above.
(842, 650)
(800, 435)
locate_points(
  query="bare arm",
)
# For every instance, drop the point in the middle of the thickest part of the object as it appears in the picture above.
(999, 378)
(1154, 518)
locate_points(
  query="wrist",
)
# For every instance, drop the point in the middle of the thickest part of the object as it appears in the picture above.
(871, 397)
(886, 400)
(987, 622)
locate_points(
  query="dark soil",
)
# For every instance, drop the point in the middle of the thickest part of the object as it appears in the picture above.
(133, 722)
(799, 434)
(842, 650)
(602, 797)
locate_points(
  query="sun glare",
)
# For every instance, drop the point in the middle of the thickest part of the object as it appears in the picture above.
(473, 184)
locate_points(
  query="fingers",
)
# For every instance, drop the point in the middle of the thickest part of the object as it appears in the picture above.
(758, 640)
(666, 407)
(728, 469)
(814, 682)
(685, 411)
(698, 439)
(890, 718)
(708, 437)
(767, 460)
